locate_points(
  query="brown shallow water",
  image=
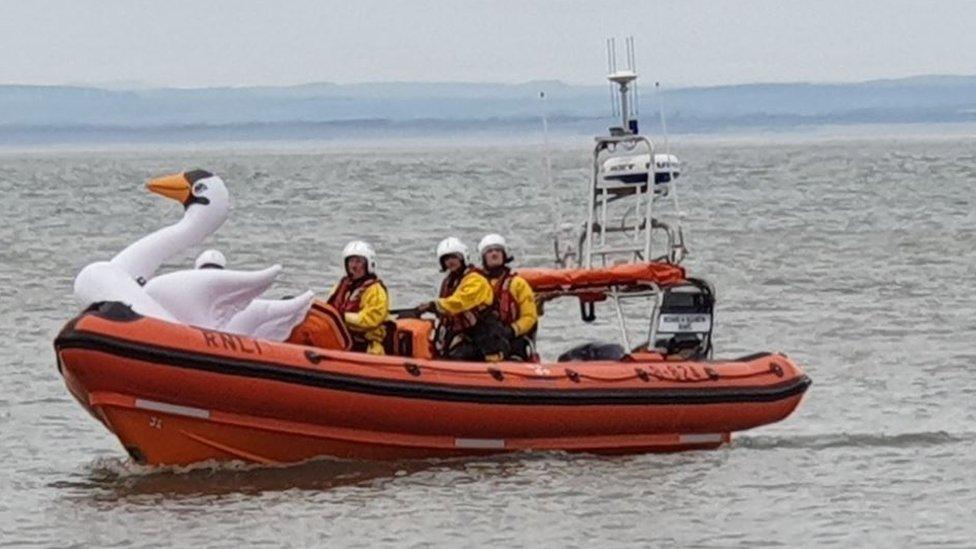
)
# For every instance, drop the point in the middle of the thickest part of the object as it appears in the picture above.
(857, 258)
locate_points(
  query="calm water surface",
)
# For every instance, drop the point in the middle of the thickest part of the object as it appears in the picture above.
(857, 258)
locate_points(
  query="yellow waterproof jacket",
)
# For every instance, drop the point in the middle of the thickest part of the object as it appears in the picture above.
(473, 292)
(515, 303)
(364, 310)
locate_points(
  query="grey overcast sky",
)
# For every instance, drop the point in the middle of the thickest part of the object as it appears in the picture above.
(195, 43)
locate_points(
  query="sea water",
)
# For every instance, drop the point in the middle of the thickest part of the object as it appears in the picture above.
(857, 258)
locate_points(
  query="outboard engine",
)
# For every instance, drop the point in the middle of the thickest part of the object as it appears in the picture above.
(593, 351)
(684, 322)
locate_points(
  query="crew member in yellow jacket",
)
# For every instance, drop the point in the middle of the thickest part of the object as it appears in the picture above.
(514, 301)
(469, 328)
(361, 299)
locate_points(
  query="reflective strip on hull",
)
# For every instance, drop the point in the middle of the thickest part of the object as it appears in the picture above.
(174, 409)
(482, 443)
(700, 438)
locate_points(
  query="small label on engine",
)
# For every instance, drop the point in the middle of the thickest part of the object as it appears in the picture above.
(678, 323)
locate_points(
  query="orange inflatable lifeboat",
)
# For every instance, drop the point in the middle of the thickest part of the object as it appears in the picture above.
(176, 394)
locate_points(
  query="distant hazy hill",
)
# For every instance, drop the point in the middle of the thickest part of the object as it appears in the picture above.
(53, 109)
(75, 106)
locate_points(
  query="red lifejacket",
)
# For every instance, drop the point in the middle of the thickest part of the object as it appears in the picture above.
(505, 304)
(348, 295)
(467, 319)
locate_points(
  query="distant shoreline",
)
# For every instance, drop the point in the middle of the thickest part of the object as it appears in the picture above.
(62, 115)
(530, 139)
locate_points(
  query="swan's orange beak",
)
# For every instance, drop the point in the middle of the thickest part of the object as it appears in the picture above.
(174, 186)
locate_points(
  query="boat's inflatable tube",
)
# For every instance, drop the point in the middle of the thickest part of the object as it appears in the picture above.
(176, 394)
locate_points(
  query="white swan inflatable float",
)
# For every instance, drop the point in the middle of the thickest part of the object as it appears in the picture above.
(209, 298)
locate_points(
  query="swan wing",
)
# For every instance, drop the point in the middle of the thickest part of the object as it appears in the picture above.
(209, 298)
(271, 319)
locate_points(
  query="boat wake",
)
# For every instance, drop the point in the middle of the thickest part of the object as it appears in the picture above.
(853, 440)
(119, 478)
(109, 468)
(116, 478)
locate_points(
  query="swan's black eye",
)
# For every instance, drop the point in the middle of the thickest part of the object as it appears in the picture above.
(199, 188)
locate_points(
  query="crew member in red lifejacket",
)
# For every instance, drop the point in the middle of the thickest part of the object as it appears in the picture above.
(514, 300)
(468, 327)
(361, 298)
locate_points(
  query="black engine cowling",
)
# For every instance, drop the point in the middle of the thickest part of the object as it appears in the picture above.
(685, 320)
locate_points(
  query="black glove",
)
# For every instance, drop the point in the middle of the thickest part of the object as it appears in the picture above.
(510, 331)
(409, 313)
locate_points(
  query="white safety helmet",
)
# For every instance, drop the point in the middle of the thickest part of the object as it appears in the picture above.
(494, 240)
(363, 250)
(210, 259)
(449, 246)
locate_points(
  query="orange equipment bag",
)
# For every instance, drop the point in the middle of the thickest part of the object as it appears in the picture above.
(323, 327)
(413, 338)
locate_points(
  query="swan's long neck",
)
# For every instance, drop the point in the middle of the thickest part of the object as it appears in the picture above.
(142, 258)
